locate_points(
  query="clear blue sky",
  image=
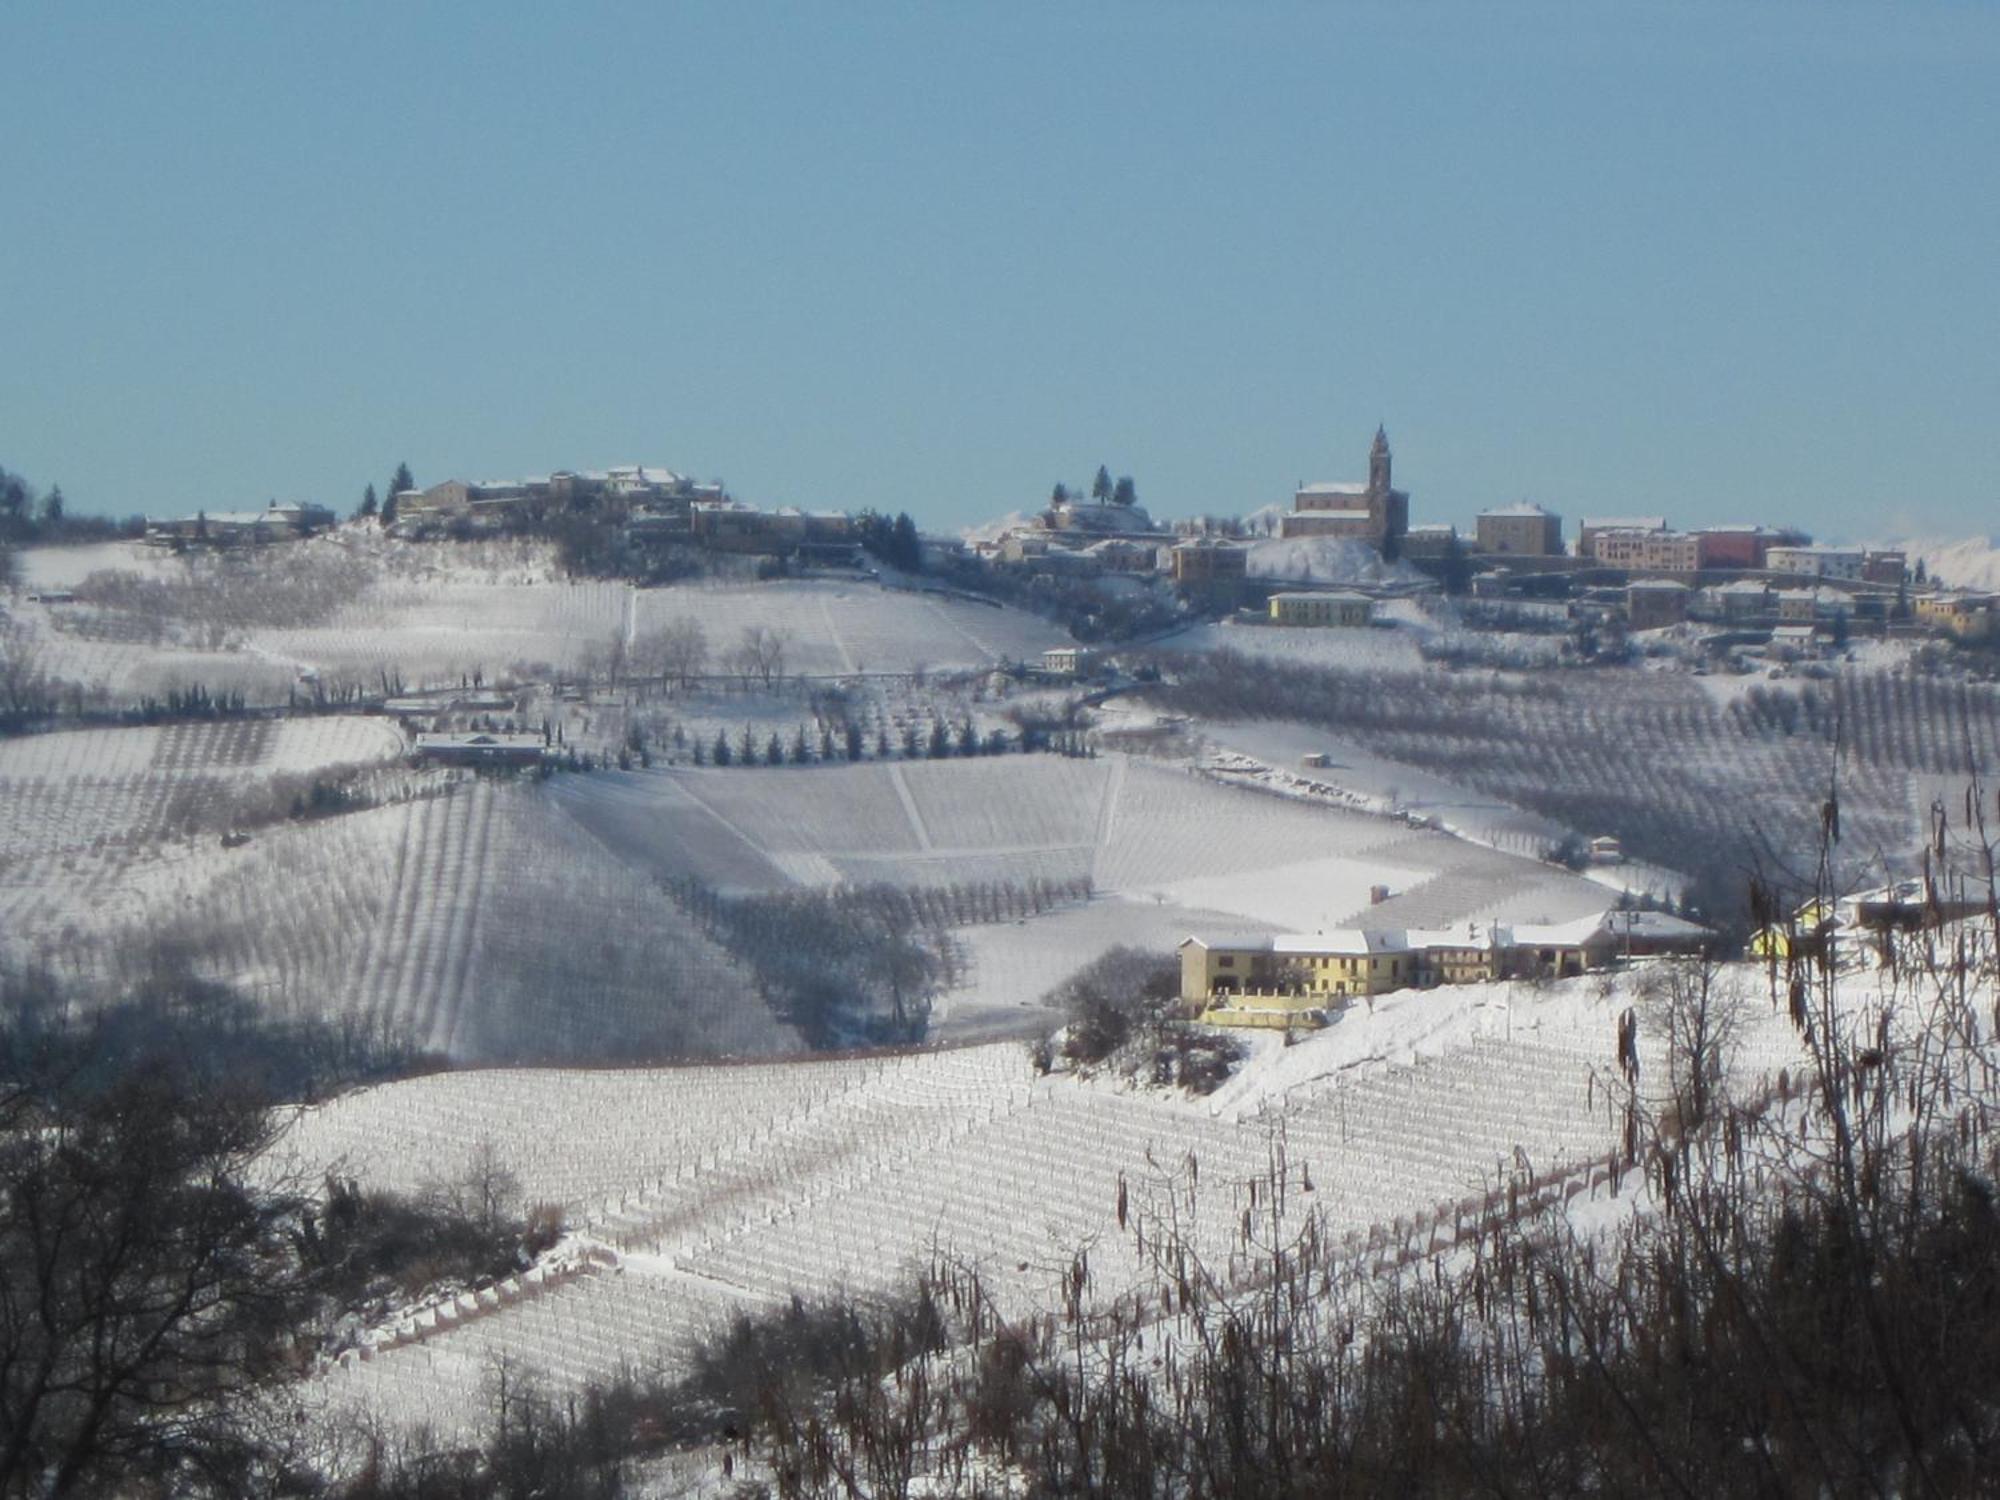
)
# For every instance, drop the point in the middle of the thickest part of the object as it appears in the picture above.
(1724, 262)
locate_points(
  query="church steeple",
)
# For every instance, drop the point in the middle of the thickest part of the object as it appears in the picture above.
(1378, 463)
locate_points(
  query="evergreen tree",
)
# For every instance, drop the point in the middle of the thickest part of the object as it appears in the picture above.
(14, 497)
(404, 480)
(52, 507)
(746, 748)
(1125, 492)
(853, 740)
(721, 754)
(907, 548)
(369, 504)
(1100, 487)
(1059, 495)
(774, 750)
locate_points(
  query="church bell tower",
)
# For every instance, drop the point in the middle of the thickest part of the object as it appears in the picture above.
(1378, 463)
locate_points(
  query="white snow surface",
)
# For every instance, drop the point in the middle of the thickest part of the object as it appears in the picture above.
(1326, 559)
(703, 1190)
(1963, 562)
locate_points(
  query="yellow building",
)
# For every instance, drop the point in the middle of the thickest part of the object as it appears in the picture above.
(1322, 609)
(1331, 965)
(1967, 616)
(1292, 973)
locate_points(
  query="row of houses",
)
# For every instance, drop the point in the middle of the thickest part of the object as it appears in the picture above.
(1853, 928)
(1297, 979)
(637, 485)
(279, 521)
(1754, 602)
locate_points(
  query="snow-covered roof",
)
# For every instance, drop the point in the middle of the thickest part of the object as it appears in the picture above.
(1333, 489)
(1742, 586)
(1432, 528)
(480, 741)
(1556, 934)
(1625, 523)
(1654, 924)
(1331, 596)
(1525, 509)
(1656, 586)
(1466, 935)
(1609, 925)
(1356, 940)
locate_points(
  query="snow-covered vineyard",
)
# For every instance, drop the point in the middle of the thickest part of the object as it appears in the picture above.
(452, 909)
(695, 1192)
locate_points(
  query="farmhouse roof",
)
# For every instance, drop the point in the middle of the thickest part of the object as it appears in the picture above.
(1333, 489)
(1525, 508)
(481, 741)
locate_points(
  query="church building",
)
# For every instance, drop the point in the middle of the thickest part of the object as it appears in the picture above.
(1375, 512)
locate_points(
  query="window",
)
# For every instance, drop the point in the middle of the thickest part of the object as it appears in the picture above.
(1226, 961)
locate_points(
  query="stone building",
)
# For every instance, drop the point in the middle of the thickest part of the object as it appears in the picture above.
(1521, 531)
(1375, 512)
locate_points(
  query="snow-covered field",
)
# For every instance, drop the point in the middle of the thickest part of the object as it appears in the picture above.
(717, 1188)
(469, 913)
(1397, 648)
(1168, 853)
(436, 613)
(1962, 562)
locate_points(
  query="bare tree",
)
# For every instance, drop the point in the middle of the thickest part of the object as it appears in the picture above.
(1699, 1010)
(761, 654)
(486, 1192)
(145, 1290)
(26, 691)
(678, 650)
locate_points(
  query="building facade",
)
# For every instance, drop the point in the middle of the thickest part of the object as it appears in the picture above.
(1376, 512)
(1586, 536)
(1646, 551)
(1520, 531)
(1653, 603)
(1846, 564)
(1337, 608)
(1205, 561)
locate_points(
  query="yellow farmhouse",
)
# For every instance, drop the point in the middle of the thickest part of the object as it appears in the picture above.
(1295, 979)
(1337, 608)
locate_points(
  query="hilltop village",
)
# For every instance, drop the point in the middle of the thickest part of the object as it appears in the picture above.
(1755, 585)
(696, 907)
(716, 644)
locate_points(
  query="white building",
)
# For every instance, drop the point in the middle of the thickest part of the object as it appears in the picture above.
(1818, 561)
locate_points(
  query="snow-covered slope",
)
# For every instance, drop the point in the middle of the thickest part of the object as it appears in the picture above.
(720, 1188)
(1963, 562)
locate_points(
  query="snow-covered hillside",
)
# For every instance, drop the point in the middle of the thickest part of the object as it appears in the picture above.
(1963, 562)
(1167, 851)
(355, 607)
(713, 1189)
